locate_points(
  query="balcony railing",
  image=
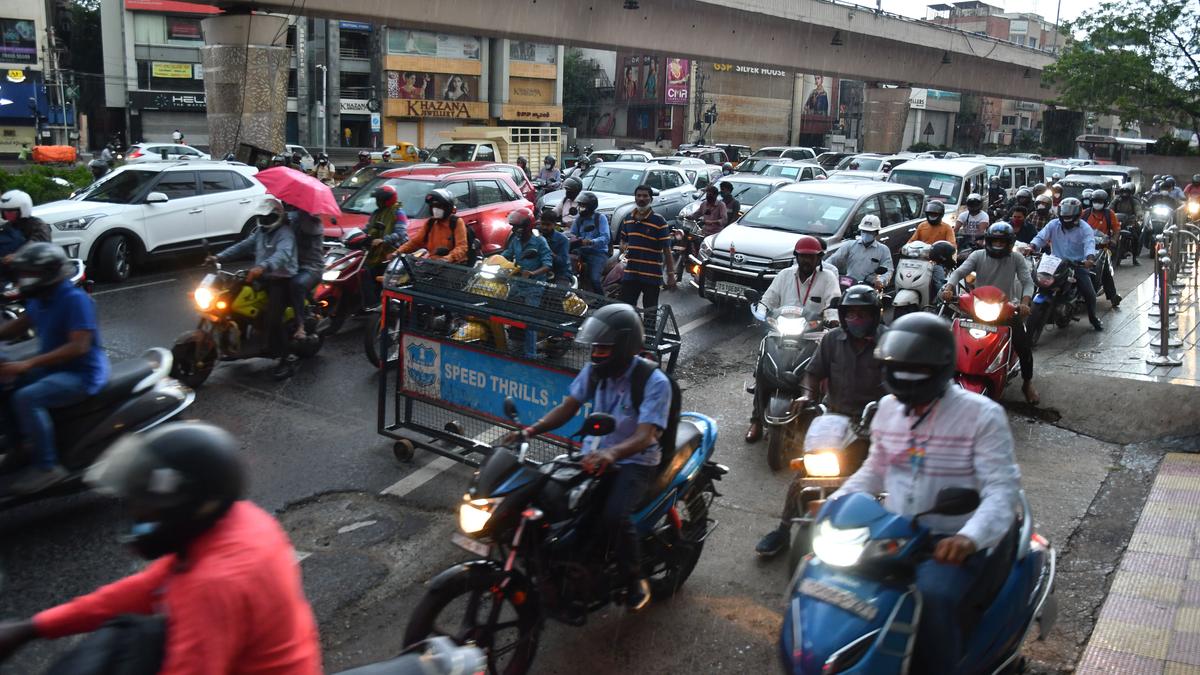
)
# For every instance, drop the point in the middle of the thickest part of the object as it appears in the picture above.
(356, 92)
(354, 52)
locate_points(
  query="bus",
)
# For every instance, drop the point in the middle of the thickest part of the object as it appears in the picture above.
(1110, 149)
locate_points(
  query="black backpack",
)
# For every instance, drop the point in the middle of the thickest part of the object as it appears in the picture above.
(473, 248)
(642, 371)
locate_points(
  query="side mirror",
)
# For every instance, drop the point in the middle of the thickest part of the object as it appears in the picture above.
(510, 410)
(156, 198)
(751, 295)
(598, 424)
(955, 501)
(654, 192)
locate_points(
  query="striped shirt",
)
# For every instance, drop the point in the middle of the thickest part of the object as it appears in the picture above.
(646, 244)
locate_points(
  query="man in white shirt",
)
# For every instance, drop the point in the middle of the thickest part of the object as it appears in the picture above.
(972, 223)
(929, 435)
(567, 209)
(862, 259)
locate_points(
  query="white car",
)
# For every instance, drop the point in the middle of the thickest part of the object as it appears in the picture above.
(154, 209)
(162, 152)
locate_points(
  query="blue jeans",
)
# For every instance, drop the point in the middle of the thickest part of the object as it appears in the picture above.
(29, 407)
(940, 637)
(593, 268)
(627, 487)
(302, 285)
(1083, 280)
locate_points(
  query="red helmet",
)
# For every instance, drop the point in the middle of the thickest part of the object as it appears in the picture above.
(521, 218)
(385, 195)
(807, 245)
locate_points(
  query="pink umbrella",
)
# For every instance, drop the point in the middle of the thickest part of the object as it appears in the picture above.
(300, 190)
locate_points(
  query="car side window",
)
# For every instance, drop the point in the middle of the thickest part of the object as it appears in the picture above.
(673, 179)
(489, 192)
(869, 207)
(656, 180)
(1019, 177)
(517, 174)
(212, 182)
(484, 153)
(461, 190)
(177, 184)
(912, 205)
(893, 209)
(1036, 175)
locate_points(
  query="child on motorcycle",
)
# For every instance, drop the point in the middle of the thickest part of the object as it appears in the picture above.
(387, 228)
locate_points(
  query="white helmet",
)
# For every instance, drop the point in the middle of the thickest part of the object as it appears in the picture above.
(869, 224)
(270, 214)
(17, 200)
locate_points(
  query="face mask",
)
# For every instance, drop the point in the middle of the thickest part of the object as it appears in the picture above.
(867, 237)
(859, 327)
(933, 218)
(438, 213)
(1098, 205)
(549, 166)
(1043, 209)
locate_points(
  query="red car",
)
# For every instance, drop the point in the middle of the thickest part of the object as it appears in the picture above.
(483, 199)
(519, 178)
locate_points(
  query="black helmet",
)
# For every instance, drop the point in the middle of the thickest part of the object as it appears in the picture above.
(974, 201)
(177, 481)
(521, 159)
(1169, 182)
(587, 202)
(39, 267)
(1024, 196)
(1126, 189)
(549, 159)
(230, 157)
(917, 355)
(1069, 210)
(994, 180)
(572, 184)
(942, 252)
(1196, 178)
(860, 295)
(936, 209)
(1100, 196)
(615, 335)
(1003, 234)
(440, 198)
(98, 167)
(1039, 188)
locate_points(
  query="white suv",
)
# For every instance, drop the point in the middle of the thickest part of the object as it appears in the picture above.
(162, 152)
(154, 209)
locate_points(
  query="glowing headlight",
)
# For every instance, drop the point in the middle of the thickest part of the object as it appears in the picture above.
(1194, 209)
(987, 311)
(790, 325)
(473, 514)
(840, 548)
(204, 298)
(1162, 211)
(822, 464)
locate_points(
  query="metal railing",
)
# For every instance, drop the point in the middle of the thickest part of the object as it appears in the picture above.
(354, 53)
(1175, 267)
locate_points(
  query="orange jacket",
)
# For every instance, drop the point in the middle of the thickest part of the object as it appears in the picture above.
(932, 234)
(444, 233)
(1103, 221)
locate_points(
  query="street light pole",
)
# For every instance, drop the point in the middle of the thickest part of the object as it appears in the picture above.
(324, 105)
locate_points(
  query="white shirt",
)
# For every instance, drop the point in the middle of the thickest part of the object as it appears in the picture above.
(814, 294)
(967, 443)
(975, 225)
(564, 209)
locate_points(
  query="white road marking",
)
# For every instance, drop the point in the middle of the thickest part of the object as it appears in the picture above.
(431, 470)
(135, 286)
(696, 323)
(301, 555)
(356, 526)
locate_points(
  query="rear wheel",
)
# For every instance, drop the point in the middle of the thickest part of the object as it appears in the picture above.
(114, 258)
(683, 547)
(777, 447)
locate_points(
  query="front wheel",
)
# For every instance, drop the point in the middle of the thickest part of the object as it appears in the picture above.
(777, 447)
(114, 259)
(373, 335)
(801, 544)
(193, 359)
(1036, 322)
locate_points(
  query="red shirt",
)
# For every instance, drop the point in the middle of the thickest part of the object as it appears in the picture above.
(235, 606)
(1191, 189)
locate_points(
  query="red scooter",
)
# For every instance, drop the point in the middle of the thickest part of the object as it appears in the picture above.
(339, 294)
(986, 359)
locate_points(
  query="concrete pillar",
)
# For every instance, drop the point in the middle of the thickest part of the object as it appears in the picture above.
(245, 80)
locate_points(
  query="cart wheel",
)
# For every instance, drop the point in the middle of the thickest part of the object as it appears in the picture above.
(403, 450)
(454, 428)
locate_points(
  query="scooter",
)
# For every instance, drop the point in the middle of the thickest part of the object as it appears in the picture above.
(533, 529)
(686, 237)
(854, 605)
(1160, 214)
(986, 359)
(1057, 299)
(339, 294)
(783, 355)
(231, 328)
(913, 279)
(139, 395)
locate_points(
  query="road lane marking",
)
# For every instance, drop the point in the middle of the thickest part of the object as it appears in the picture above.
(696, 323)
(135, 286)
(431, 470)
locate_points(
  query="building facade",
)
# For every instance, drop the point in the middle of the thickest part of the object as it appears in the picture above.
(25, 116)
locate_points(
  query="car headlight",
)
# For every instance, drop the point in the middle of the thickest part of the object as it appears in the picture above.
(1162, 211)
(987, 312)
(840, 548)
(204, 298)
(80, 223)
(822, 464)
(705, 250)
(473, 514)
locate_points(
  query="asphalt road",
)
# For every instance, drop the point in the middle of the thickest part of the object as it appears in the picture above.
(371, 531)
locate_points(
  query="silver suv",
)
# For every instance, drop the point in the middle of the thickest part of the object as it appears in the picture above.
(613, 184)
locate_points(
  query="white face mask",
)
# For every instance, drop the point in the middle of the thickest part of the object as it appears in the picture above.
(439, 213)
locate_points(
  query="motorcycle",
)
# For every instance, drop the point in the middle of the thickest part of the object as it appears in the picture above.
(339, 294)
(1160, 214)
(913, 279)
(685, 244)
(396, 274)
(854, 605)
(1057, 299)
(138, 396)
(1131, 233)
(534, 530)
(12, 302)
(986, 358)
(783, 356)
(1193, 211)
(230, 327)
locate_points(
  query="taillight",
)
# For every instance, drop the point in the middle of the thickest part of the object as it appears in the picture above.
(135, 153)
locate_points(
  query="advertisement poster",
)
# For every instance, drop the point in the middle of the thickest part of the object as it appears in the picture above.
(630, 86)
(650, 78)
(533, 52)
(679, 71)
(182, 28)
(180, 71)
(421, 43)
(477, 382)
(818, 112)
(18, 41)
(432, 86)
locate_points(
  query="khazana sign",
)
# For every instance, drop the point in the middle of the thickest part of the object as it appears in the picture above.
(425, 108)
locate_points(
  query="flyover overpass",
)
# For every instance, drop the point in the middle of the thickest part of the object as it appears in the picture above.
(796, 34)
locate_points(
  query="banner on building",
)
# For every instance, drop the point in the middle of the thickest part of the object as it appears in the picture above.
(183, 28)
(432, 86)
(170, 7)
(18, 41)
(178, 71)
(533, 52)
(530, 90)
(422, 43)
(641, 79)
(678, 75)
(436, 109)
(818, 114)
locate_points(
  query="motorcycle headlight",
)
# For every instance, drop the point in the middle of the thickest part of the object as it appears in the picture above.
(1162, 211)
(204, 298)
(75, 224)
(987, 312)
(840, 548)
(689, 210)
(822, 464)
(331, 275)
(1193, 209)
(1045, 280)
(790, 325)
(473, 514)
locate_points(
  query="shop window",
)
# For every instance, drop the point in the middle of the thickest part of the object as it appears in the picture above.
(1008, 120)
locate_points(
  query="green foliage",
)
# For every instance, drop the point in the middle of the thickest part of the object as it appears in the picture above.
(1139, 59)
(579, 89)
(1169, 145)
(36, 180)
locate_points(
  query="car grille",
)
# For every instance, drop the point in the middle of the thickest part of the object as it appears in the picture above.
(746, 263)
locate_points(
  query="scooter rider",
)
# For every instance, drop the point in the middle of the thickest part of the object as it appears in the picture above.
(846, 361)
(594, 243)
(860, 259)
(997, 196)
(614, 334)
(386, 229)
(733, 208)
(926, 436)
(568, 208)
(712, 212)
(1173, 190)
(364, 160)
(310, 259)
(805, 284)
(443, 229)
(727, 169)
(16, 210)
(275, 260)
(997, 265)
(972, 223)
(1130, 207)
(1075, 241)
(551, 228)
(1023, 198)
(1103, 220)
(934, 229)
(549, 173)
(223, 574)
(69, 367)
(1041, 216)
(99, 169)
(1192, 189)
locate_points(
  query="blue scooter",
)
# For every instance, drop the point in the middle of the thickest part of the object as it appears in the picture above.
(855, 607)
(533, 530)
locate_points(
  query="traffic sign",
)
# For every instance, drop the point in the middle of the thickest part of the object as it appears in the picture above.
(376, 122)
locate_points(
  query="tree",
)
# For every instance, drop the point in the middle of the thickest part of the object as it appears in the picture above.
(1137, 59)
(579, 88)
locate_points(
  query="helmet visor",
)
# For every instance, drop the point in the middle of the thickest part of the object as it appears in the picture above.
(905, 351)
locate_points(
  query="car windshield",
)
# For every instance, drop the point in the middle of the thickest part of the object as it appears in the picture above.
(615, 181)
(749, 194)
(118, 188)
(864, 163)
(940, 185)
(1072, 189)
(410, 192)
(1120, 175)
(800, 212)
(768, 152)
(360, 177)
(452, 152)
(785, 170)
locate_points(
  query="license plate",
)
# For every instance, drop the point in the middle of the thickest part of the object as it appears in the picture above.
(477, 547)
(839, 598)
(727, 288)
(971, 325)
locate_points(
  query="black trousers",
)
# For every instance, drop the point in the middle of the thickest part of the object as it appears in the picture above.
(632, 290)
(1023, 346)
(279, 298)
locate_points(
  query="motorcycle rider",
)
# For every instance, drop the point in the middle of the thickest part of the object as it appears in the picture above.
(646, 244)
(614, 334)
(568, 209)
(223, 571)
(1023, 198)
(1041, 216)
(551, 228)
(727, 169)
(549, 173)
(860, 259)
(1173, 190)
(1074, 241)
(99, 169)
(1018, 218)
(712, 213)
(805, 284)
(310, 259)
(523, 164)
(534, 261)
(1103, 220)
(16, 210)
(106, 154)
(1055, 177)
(443, 229)
(942, 255)
(386, 229)
(1192, 189)
(69, 367)
(364, 160)
(594, 243)
(577, 171)
(324, 171)
(997, 196)
(1130, 207)
(972, 223)
(846, 361)
(1085, 197)
(934, 229)
(275, 259)
(733, 207)
(997, 265)
(926, 436)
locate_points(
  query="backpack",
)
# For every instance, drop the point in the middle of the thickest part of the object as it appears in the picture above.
(473, 249)
(642, 371)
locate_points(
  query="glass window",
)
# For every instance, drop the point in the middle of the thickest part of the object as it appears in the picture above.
(783, 170)
(896, 208)
(411, 194)
(615, 181)
(219, 181)
(799, 212)
(941, 185)
(749, 194)
(485, 154)
(673, 180)
(452, 152)
(869, 207)
(461, 190)
(509, 193)
(1019, 177)
(913, 204)
(119, 187)
(1036, 175)
(177, 184)
(489, 192)
(1006, 179)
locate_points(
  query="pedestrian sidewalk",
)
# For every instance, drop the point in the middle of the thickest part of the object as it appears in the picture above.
(1150, 621)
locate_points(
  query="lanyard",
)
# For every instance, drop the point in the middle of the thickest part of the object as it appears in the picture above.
(812, 278)
(916, 453)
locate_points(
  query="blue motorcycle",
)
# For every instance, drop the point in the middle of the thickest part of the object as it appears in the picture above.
(855, 607)
(535, 530)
